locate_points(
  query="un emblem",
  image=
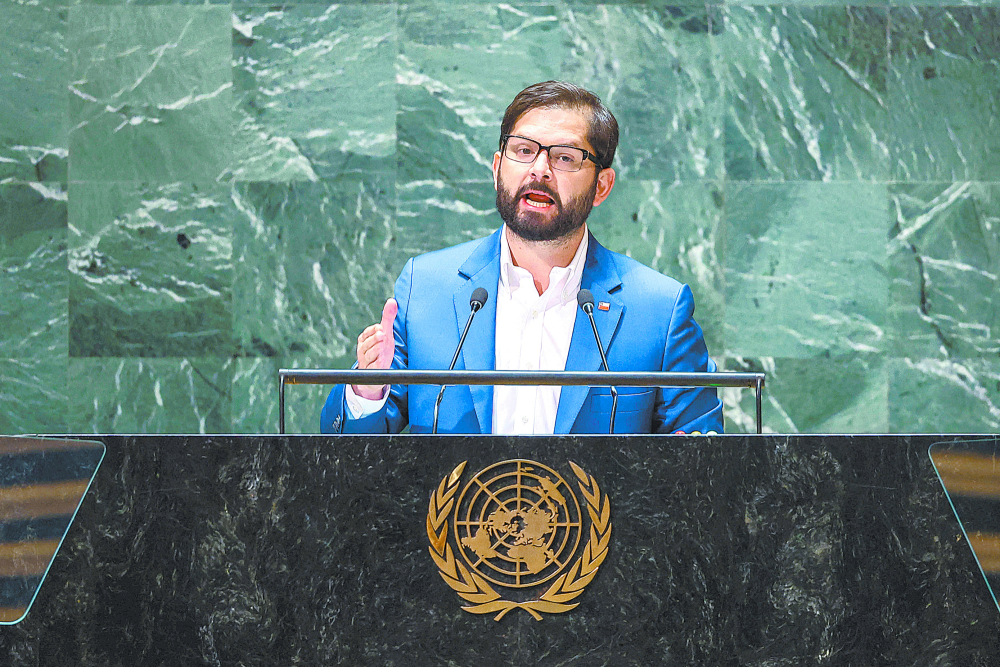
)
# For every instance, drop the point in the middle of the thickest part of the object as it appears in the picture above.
(517, 528)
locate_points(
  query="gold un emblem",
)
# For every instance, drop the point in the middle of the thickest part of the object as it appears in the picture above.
(517, 527)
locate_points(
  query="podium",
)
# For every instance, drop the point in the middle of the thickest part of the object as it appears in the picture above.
(723, 550)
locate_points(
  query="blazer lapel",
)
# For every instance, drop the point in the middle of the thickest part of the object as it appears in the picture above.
(601, 278)
(482, 269)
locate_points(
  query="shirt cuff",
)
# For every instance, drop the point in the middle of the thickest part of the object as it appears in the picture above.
(359, 406)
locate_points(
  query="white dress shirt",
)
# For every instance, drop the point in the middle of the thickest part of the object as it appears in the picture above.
(533, 332)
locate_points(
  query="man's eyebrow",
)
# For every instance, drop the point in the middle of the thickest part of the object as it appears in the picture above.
(569, 143)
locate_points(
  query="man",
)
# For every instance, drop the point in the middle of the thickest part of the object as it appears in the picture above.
(553, 165)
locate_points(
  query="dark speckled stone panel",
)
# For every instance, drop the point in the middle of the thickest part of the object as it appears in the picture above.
(732, 550)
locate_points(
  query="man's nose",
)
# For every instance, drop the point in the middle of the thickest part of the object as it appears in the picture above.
(541, 169)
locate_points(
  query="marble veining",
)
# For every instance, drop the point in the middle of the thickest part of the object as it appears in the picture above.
(235, 186)
(726, 550)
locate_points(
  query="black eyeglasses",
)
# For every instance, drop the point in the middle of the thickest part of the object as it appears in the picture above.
(561, 158)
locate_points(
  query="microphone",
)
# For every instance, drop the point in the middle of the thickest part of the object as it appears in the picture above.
(586, 301)
(479, 297)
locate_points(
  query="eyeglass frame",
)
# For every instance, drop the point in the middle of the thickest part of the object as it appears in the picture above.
(587, 155)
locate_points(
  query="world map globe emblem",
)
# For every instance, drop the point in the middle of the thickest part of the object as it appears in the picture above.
(517, 523)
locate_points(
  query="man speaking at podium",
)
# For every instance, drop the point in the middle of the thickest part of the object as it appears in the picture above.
(553, 165)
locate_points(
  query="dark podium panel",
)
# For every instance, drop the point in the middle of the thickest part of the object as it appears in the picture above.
(725, 550)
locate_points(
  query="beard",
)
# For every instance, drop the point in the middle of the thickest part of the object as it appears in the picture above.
(534, 226)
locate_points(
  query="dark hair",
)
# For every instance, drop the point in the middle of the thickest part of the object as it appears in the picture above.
(603, 131)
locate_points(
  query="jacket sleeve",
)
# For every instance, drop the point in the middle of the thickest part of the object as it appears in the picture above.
(393, 417)
(695, 408)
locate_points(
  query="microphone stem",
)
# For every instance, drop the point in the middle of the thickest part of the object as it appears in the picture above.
(461, 341)
(454, 360)
(604, 360)
(437, 406)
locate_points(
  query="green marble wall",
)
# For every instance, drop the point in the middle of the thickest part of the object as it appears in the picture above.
(193, 194)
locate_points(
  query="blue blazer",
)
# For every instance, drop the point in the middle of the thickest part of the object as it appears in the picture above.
(648, 327)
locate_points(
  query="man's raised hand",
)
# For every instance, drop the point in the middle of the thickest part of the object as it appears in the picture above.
(376, 346)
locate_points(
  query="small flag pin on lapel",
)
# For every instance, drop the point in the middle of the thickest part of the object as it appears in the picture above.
(603, 305)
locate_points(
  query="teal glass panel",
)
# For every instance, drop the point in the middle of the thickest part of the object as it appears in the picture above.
(969, 471)
(42, 484)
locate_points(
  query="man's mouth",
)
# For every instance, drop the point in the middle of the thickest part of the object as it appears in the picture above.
(538, 200)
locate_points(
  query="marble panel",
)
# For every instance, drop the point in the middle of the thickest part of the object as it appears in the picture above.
(651, 65)
(314, 263)
(33, 301)
(246, 3)
(943, 84)
(33, 395)
(255, 395)
(455, 80)
(119, 395)
(142, 2)
(444, 194)
(150, 98)
(34, 73)
(944, 265)
(944, 395)
(807, 95)
(812, 3)
(655, 67)
(315, 89)
(945, 3)
(671, 228)
(847, 393)
(150, 270)
(445, 191)
(806, 270)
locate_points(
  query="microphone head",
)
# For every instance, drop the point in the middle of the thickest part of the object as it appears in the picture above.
(585, 298)
(479, 297)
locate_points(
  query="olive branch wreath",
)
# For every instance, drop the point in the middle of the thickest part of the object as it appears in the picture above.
(472, 587)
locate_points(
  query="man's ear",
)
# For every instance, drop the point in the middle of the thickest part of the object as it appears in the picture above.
(496, 170)
(605, 181)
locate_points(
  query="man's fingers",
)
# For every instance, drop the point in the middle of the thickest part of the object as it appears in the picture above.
(369, 331)
(368, 338)
(369, 343)
(369, 357)
(376, 344)
(389, 311)
(388, 343)
(370, 347)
